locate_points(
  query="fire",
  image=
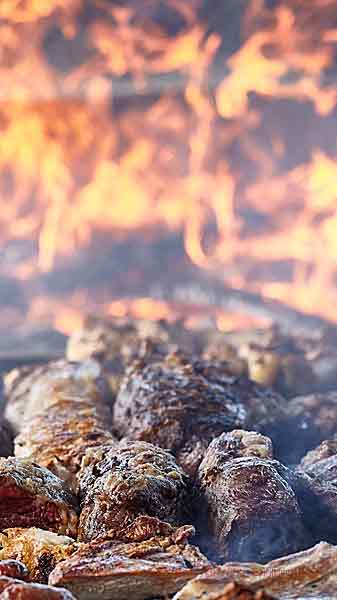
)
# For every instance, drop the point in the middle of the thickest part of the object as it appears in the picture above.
(121, 120)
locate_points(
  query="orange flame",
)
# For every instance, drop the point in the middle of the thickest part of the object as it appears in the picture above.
(244, 140)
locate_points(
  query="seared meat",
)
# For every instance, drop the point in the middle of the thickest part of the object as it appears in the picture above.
(249, 507)
(307, 574)
(67, 412)
(310, 420)
(14, 589)
(39, 550)
(117, 342)
(326, 449)
(31, 496)
(110, 570)
(226, 591)
(14, 569)
(117, 484)
(182, 405)
(237, 444)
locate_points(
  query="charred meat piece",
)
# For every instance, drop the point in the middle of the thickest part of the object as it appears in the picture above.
(154, 568)
(310, 420)
(67, 412)
(31, 496)
(238, 444)
(28, 390)
(250, 510)
(14, 569)
(14, 589)
(17, 386)
(326, 449)
(39, 550)
(307, 574)
(117, 484)
(321, 463)
(182, 405)
(117, 342)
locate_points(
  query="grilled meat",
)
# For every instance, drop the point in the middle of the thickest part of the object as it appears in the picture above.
(14, 589)
(39, 550)
(117, 484)
(182, 405)
(67, 412)
(307, 574)
(115, 343)
(250, 509)
(14, 569)
(310, 420)
(31, 496)
(326, 449)
(226, 591)
(110, 570)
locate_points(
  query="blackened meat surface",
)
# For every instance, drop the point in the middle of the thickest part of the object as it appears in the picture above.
(14, 589)
(182, 404)
(154, 568)
(67, 411)
(31, 496)
(38, 549)
(118, 484)
(307, 574)
(250, 511)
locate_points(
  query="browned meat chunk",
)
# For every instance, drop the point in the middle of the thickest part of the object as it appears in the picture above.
(67, 412)
(117, 342)
(226, 591)
(116, 571)
(13, 568)
(182, 405)
(118, 484)
(14, 589)
(239, 444)
(250, 510)
(326, 449)
(31, 496)
(39, 550)
(310, 420)
(307, 574)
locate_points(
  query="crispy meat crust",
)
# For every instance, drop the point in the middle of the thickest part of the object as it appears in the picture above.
(182, 405)
(117, 484)
(67, 411)
(39, 550)
(13, 589)
(307, 574)
(250, 508)
(118, 571)
(32, 496)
